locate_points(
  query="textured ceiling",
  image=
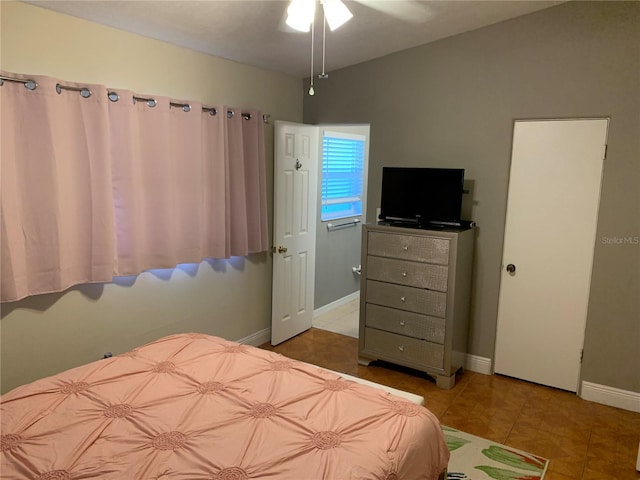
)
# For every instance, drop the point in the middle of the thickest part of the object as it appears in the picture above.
(253, 32)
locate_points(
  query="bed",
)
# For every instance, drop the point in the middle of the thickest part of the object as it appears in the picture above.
(193, 406)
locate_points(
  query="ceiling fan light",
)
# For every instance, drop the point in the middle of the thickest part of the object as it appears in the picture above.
(336, 12)
(300, 14)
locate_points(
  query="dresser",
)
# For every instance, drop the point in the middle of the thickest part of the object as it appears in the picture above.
(414, 298)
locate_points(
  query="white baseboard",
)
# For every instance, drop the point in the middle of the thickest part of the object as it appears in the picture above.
(478, 364)
(258, 338)
(338, 303)
(614, 397)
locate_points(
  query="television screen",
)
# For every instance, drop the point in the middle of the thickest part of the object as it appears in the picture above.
(423, 196)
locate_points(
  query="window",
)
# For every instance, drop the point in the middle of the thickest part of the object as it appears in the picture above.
(342, 170)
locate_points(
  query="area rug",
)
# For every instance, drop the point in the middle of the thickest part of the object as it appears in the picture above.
(475, 458)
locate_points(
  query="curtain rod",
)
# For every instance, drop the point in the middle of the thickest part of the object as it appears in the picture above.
(28, 84)
(114, 97)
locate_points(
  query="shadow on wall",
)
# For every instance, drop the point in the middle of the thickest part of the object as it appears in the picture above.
(94, 291)
(467, 200)
(42, 303)
(468, 205)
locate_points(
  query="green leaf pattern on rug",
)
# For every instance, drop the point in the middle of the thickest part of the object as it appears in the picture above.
(501, 474)
(454, 443)
(513, 459)
(475, 458)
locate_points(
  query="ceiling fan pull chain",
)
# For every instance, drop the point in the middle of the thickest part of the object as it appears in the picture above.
(324, 36)
(311, 91)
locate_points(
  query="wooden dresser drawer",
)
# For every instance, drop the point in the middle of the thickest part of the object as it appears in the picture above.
(405, 323)
(411, 299)
(414, 274)
(409, 247)
(404, 348)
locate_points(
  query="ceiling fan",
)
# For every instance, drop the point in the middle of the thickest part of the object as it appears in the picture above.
(410, 11)
(300, 13)
(300, 16)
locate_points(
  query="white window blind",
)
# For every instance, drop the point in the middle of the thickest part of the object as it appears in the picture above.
(342, 169)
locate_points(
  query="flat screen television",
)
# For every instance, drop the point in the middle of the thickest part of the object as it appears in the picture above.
(424, 197)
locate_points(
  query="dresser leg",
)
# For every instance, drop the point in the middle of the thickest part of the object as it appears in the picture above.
(446, 382)
(364, 361)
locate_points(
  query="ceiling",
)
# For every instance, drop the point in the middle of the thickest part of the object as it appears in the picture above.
(253, 32)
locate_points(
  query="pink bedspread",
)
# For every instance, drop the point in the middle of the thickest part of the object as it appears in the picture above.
(191, 407)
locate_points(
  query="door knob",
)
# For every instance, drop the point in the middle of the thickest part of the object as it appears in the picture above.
(511, 268)
(282, 249)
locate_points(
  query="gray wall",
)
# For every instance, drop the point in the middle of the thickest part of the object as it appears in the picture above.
(337, 251)
(453, 103)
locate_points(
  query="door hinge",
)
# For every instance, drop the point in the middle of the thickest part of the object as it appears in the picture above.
(581, 355)
(606, 147)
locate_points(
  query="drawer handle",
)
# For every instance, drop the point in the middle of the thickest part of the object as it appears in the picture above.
(402, 299)
(401, 348)
(405, 248)
(402, 323)
(404, 274)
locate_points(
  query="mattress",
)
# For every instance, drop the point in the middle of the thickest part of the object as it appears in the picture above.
(193, 406)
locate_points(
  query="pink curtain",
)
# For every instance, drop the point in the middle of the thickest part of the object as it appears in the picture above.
(247, 182)
(56, 201)
(237, 187)
(93, 188)
(217, 204)
(158, 184)
(255, 182)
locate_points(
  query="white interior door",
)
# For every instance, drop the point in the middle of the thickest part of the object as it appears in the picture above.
(294, 236)
(552, 208)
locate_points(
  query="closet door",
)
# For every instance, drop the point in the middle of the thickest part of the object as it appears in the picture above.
(552, 212)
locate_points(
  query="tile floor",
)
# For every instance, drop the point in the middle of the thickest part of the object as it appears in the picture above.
(583, 440)
(343, 320)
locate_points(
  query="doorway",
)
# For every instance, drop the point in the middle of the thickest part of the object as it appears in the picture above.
(302, 286)
(550, 229)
